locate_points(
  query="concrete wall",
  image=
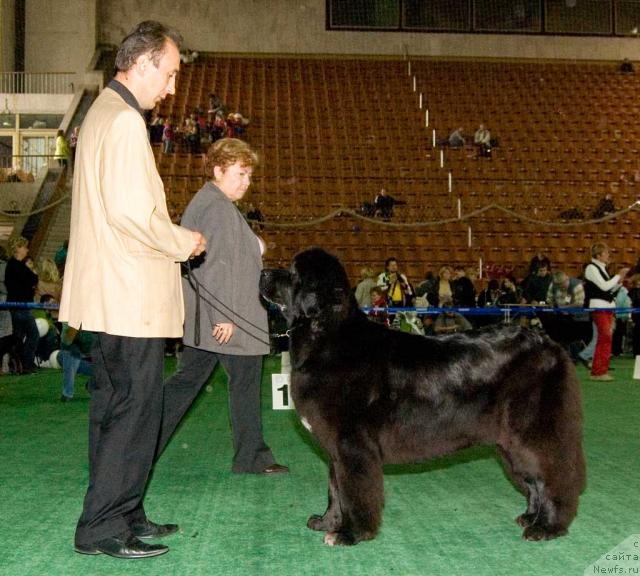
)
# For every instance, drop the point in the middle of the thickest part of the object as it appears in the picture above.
(60, 35)
(292, 26)
(7, 35)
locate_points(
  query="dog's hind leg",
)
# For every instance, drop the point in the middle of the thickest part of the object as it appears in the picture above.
(360, 491)
(332, 518)
(527, 486)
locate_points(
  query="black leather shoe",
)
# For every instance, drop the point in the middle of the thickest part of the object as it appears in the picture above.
(125, 546)
(275, 468)
(148, 529)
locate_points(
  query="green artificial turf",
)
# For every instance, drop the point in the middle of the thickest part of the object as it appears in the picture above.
(452, 516)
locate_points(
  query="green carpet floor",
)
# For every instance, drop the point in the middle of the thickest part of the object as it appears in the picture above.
(453, 516)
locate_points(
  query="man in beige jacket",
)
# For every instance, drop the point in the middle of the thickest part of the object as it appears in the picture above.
(122, 281)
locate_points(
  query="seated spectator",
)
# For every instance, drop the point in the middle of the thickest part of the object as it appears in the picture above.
(378, 300)
(188, 56)
(626, 67)
(363, 289)
(536, 286)
(397, 288)
(49, 336)
(463, 290)
(74, 358)
(482, 139)
(456, 138)
(604, 207)
(567, 329)
(383, 205)
(490, 296)
(236, 125)
(450, 322)
(482, 136)
(217, 108)
(21, 282)
(508, 292)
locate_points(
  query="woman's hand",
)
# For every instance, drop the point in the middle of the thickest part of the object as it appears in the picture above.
(223, 332)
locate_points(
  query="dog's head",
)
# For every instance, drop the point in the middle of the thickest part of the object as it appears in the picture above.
(315, 287)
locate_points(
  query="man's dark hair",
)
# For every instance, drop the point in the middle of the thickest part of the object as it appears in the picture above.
(148, 37)
(388, 261)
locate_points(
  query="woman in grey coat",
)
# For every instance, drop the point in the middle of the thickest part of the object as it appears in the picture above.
(224, 319)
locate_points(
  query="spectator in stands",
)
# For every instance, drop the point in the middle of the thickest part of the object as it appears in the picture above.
(363, 289)
(604, 207)
(450, 323)
(73, 142)
(634, 294)
(456, 138)
(49, 281)
(566, 328)
(600, 291)
(191, 134)
(509, 292)
(445, 291)
(621, 321)
(482, 139)
(464, 292)
(395, 284)
(538, 260)
(62, 151)
(21, 282)
(6, 328)
(482, 136)
(74, 358)
(536, 286)
(47, 330)
(231, 328)
(217, 108)
(236, 125)
(383, 205)
(60, 257)
(428, 289)
(167, 137)
(626, 67)
(490, 296)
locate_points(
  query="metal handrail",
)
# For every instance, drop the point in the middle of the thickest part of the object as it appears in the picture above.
(37, 82)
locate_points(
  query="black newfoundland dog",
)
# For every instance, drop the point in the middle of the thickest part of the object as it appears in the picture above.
(373, 396)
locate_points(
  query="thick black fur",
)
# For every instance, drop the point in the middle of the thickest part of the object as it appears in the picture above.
(371, 396)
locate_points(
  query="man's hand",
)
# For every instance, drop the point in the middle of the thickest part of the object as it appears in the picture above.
(200, 243)
(223, 332)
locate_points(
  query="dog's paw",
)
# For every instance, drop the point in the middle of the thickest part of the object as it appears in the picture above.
(339, 539)
(525, 520)
(535, 533)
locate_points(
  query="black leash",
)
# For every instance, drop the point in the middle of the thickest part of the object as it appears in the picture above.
(197, 286)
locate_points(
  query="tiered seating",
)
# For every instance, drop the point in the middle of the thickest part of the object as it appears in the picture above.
(331, 133)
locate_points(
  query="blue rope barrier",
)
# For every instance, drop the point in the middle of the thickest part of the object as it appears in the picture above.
(494, 311)
(29, 305)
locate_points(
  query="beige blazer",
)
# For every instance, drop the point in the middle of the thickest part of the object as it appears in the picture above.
(122, 274)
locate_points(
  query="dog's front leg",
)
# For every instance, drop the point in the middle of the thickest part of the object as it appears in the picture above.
(360, 490)
(332, 518)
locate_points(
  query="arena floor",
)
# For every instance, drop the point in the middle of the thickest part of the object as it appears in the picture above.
(452, 516)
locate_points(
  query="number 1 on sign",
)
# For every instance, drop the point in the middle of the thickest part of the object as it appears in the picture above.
(281, 392)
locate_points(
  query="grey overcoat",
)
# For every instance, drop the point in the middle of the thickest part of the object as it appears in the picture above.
(230, 271)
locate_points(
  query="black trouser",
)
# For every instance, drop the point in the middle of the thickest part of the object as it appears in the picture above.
(125, 411)
(251, 455)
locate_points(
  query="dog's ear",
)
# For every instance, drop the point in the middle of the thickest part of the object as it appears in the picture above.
(309, 305)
